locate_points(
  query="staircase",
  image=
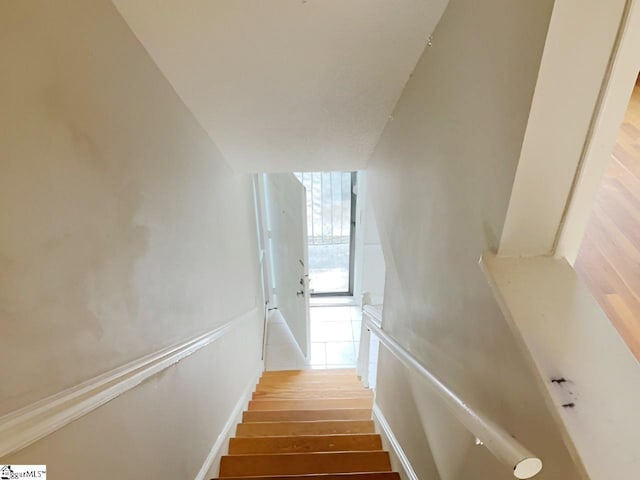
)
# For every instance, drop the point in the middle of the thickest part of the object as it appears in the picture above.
(311, 424)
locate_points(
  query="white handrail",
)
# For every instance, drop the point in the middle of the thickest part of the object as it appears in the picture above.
(497, 440)
(374, 312)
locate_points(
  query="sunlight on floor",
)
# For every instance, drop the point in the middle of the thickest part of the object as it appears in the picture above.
(335, 340)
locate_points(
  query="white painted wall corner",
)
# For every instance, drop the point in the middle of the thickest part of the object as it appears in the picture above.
(399, 460)
(211, 464)
(27, 425)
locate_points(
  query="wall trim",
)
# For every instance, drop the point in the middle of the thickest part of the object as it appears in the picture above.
(396, 448)
(22, 427)
(217, 450)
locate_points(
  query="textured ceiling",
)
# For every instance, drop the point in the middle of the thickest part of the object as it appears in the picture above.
(284, 85)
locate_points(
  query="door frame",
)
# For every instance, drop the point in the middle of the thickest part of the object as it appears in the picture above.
(352, 244)
(264, 255)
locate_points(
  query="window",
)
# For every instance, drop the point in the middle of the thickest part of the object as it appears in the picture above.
(330, 230)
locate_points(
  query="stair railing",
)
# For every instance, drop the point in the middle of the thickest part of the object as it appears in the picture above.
(497, 440)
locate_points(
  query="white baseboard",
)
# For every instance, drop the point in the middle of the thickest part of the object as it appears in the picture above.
(399, 459)
(211, 464)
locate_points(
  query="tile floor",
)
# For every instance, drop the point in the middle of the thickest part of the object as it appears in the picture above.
(335, 339)
(339, 301)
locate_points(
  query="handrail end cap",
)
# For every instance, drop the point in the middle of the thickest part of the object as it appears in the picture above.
(527, 468)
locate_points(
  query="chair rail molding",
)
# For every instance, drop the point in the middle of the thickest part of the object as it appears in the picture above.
(22, 427)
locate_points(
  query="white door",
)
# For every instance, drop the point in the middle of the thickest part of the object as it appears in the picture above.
(286, 206)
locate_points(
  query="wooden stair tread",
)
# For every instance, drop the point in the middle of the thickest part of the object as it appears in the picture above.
(301, 463)
(305, 415)
(328, 476)
(310, 404)
(311, 394)
(313, 424)
(306, 386)
(334, 380)
(316, 377)
(305, 443)
(320, 427)
(301, 373)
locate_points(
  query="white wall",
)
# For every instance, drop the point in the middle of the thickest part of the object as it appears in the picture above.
(600, 141)
(576, 58)
(369, 268)
(566, 334)
(164, 427)
(404, 418)
(123, 231)
(587, 74)
(441, 178)
(287, 85)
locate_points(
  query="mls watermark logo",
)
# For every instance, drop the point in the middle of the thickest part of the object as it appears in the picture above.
(8, 472)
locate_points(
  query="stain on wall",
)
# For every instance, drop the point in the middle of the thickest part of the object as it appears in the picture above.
(122, 228)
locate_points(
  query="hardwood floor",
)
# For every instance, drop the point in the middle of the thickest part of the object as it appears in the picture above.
(609, 258)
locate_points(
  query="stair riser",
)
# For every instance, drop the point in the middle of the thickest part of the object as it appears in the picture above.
(310, 373)
(337, 476)
(314, 425)
(323, 404)
(307, 385)
(300, 464)
(305, 428)
(305, 444)
(306, 415)
(309, 378)
(313, 394)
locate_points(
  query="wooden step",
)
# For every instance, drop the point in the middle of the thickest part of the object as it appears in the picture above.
(303, 463)
(311, 404)
(338, 377)
(264, 429)
(305, 444)
(306, 415)
(323, 371)
(312, 384)
(310, 394)
(274, 385)
(330, 476)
